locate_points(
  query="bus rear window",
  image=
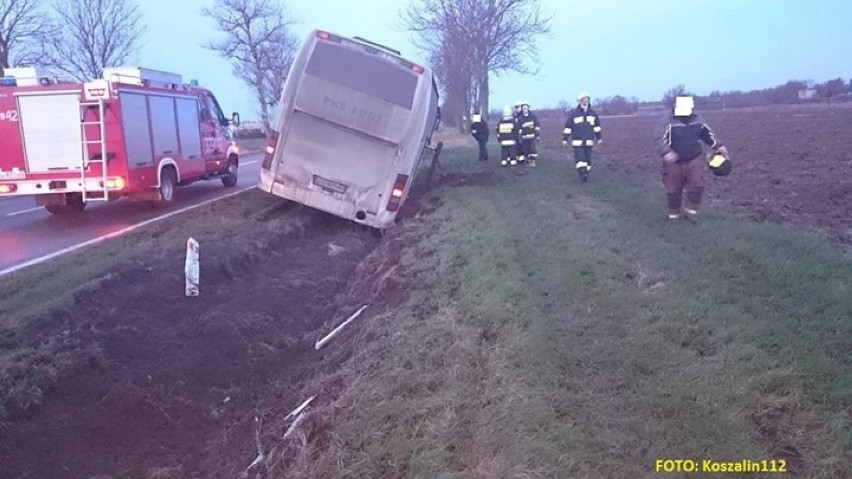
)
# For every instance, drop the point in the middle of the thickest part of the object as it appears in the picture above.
(363, 72)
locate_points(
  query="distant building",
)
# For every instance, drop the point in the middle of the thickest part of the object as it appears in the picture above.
(808, 94)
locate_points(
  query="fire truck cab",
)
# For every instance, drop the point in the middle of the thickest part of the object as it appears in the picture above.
(134, 133)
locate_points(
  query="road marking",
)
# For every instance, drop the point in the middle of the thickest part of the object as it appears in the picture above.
(23, 211)
(249, 162)
(114, 234)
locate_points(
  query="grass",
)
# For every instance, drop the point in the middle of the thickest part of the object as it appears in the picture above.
(563, 330)
(548, 328)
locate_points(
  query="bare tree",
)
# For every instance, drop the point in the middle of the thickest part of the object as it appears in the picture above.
(496, 35)
(92, 34)
(259, 43)
(674, 92)
(23, 24)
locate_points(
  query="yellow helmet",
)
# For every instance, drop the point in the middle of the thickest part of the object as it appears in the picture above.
(720, 165)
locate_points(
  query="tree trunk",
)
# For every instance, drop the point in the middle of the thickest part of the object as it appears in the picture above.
(483, 95)
(264, 117)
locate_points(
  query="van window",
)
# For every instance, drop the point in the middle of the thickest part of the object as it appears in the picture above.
(215, 111)
(363, 72)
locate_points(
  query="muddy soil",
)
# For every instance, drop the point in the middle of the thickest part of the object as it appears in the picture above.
(792, 165)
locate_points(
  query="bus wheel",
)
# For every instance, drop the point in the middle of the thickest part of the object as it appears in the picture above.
(168, 182)
(230, 179)
(436, 153)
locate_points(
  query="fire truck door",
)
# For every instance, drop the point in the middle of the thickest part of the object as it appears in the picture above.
(215, 140)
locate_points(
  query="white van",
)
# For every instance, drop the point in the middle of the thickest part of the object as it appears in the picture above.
(354, 122)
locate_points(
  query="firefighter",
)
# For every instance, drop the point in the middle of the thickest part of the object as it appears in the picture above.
(516, 112)
(583, 126)
(479, 130)
(507, 135)
(679, 143)
(529, 132)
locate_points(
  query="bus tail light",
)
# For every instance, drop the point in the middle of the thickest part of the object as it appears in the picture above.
(397, 193)
(269, 150)
(8, 188)
(327, 36)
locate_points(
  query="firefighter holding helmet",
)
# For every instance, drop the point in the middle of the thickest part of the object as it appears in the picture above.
(679, 144)
(529, 132)
(507, 135)
(583, 128)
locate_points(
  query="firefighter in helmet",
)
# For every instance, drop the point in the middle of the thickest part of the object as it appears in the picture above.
(529, 132)
(679, 142)
(583, 127)
(479, 130)
(507, 135)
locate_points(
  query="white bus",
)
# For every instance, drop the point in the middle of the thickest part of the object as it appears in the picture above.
(354, 121)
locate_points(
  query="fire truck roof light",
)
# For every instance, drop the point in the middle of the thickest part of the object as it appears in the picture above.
(270, 149)
(397, 193)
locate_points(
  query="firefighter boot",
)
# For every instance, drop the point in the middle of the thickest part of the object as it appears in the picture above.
(583, 170)
(690, 213)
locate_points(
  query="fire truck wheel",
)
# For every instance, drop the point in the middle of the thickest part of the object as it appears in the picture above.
(168, 182)
(230, 179)
(74, 204)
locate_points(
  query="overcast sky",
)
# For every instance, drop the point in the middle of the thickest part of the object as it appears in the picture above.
(634, 48)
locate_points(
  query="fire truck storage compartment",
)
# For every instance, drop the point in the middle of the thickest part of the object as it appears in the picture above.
(51, 128)
(137, 132)
(188, 128)
(172, 128)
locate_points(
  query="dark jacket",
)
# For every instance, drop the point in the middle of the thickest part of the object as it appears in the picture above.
(479, 130)
(683, 135)
(507, 132)
(528, 127)
(583, 127)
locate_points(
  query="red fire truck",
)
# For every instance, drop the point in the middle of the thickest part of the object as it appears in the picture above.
(134, 133)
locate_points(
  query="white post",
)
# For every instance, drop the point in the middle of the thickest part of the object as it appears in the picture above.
(192, 268)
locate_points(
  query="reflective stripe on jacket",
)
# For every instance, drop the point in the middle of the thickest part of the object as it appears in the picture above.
(684, 135)
(529, 127)
(507, 133)
(583, 126)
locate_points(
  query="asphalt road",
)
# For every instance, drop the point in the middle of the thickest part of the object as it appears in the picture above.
(28, 232)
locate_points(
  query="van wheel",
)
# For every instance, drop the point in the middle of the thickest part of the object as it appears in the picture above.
(230, 178)
(74, 205)
(168, 182)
